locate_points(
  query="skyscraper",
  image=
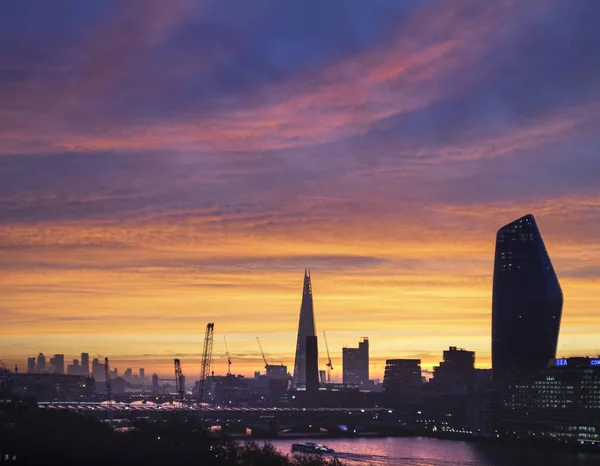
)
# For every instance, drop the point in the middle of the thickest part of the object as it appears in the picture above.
(527, 301)
(58, 364)
(355, 363)
(31, 365)
(41, 363)
(85, 363)
(306, 327)
(312, 364)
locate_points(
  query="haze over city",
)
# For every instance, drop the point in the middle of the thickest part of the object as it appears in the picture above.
(168, 164)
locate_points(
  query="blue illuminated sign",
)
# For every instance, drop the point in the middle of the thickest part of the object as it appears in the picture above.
(595, 362)
(561, 362)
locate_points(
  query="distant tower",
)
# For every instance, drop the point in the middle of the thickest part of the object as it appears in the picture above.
(527, 301)
(41, 363)
(85, 363)
(31, 365)
(312, 364)
(306, 327)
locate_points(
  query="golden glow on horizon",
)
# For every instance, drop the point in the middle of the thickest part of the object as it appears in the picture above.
(145, 300)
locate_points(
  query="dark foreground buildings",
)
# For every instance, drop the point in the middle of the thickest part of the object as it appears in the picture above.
(306, 327)
(527, 302)
(560, 402)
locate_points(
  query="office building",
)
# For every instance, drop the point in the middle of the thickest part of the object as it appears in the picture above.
(401, 374)
(98, 370)
(312, 364)
(355, 364)
(457, 368)
(527, 302)
(58, 364)
(277, 371)
(560, 402)
(85, 363)
(128, 375)
(31, 365)
(74, 368)
(306, 327)
(142, 373)
(41, 363)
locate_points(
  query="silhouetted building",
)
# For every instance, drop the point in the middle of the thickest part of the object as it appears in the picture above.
(277, 372)
(142, 373)
(85, 363)
(527, 301)
(306, 327)
(312, 364)
(41, 363)
(355, 364)
(98, 370)
(128, 375)
(155, 387)
(457, 368)
(561, 402)
(31, 365)
(58, 364)
(323, 376)
(75, 368)
(401, 374)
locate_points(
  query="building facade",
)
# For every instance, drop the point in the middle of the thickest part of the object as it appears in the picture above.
(40, 364)
(85, 363)
(312, 364)
(355, 364)
(31, 365)
(58, 364)
(457, 368)
(306, 327)
(401, 374)
(527, 301)
(561, 402)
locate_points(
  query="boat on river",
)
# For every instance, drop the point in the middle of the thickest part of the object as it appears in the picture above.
(310, 447)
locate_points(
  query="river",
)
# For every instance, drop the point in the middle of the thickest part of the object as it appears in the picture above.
(420, 451)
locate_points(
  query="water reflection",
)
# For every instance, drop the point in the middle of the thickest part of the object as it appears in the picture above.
(418, 451)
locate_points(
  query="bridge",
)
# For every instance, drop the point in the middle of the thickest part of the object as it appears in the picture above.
(261, 421)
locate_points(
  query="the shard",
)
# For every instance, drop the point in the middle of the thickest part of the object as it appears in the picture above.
(526, 304)
(306, 327)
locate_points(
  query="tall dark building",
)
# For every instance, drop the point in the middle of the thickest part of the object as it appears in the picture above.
(312, 364)
(85, 363)
(306, 327)
(355, 363)
(58, 364)
(527, 301)
(41, 363)
(31, 365)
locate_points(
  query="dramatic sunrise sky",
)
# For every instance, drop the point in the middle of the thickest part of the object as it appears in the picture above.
(164, 164)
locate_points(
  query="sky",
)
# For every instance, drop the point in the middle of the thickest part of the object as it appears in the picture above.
(165, 164)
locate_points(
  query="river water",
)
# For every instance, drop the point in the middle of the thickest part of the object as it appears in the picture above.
(419, 451)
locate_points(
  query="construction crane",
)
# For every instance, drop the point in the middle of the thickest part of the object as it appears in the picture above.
(206, 361)
(179, 380)
(262, 353)
(329, 364)
(228, 356)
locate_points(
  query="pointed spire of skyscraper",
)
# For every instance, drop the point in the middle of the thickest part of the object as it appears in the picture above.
(306, 327)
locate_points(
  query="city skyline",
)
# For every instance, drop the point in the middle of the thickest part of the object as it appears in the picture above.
(165, 165)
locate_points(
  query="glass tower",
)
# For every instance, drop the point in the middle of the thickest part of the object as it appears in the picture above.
(306, 327)
(527, 301)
